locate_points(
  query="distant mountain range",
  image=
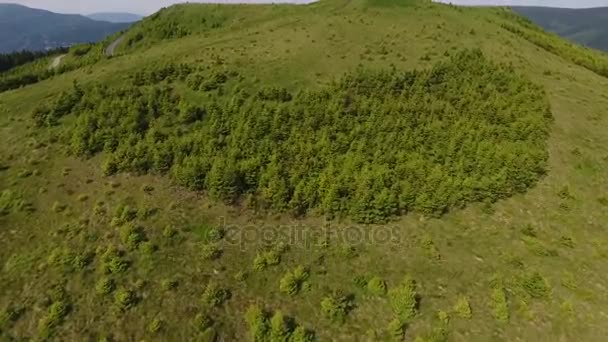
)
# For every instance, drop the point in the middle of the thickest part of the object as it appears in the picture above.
(116, 17)
(24, 28)
(584, 26)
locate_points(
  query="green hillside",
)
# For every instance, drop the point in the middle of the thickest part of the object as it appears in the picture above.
(587, 26)
(367, 170)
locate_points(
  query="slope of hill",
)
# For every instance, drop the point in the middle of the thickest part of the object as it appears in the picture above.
(23, 28)
(587, 26)
(116, 17)
(208, 182)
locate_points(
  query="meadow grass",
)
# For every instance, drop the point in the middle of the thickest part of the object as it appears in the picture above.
(529, 267)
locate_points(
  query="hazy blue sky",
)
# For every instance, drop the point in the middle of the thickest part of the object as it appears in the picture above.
(150, 6)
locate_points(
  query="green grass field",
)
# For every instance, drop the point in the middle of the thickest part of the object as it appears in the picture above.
(133, 256)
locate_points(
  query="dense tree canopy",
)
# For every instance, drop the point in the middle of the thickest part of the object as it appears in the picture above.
(370, 145)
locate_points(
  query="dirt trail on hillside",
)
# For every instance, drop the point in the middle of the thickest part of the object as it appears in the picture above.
(110, 49)
(56, 61)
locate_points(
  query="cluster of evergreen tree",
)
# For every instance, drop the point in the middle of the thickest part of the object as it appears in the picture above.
(11, 60)
(370, 145)
(25, 72)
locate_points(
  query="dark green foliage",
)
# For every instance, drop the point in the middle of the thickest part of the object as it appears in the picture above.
(9, 316)
(214, 295)
(167, 72)
(499, 304)
(376, 286)
(337, 306)
(211, 251)
(404, 299)
(535, 285)
(372, 145)
(105, 286)
(10, 202)
(292, 281)
(274, 94)
(113, 261)
(265, 259)
(203, 321)
(15, 59)
(279, 328)
(124, 299)
(462, 308)
(396, 330)
(55, 316)
(132, 235)
(257, 320)
(155, 326)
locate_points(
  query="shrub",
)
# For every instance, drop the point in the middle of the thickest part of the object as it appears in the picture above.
(169, 232)
(9, 200)
(337, 306)
(462, 308)
(292, 281)
(257, 320)
(132, 235)
(9, 316)
(280, 329)
(376, 286)
(404, 299)
(240, 276)
(116, 265)
(535, 285)
(155, 326)
(169, 284)
(55, 316)
(105, 286)
(360, 281)
(124, 214)
(203, 321)
(214, 295)
(113, 262)
(211, 251)
(567, 241)
(266, 259)
(124, 299)
(396, 330)
(499, 304)
(300, 334)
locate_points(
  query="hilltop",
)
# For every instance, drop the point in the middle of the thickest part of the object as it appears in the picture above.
(344, 170)
(24, 28)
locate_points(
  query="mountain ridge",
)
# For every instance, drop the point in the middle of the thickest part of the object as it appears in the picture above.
(586, 26)
(115, 17)
(24, 28)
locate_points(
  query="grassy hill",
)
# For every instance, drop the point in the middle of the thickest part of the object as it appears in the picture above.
(344, 170)
(23, 28)
(585, 26)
